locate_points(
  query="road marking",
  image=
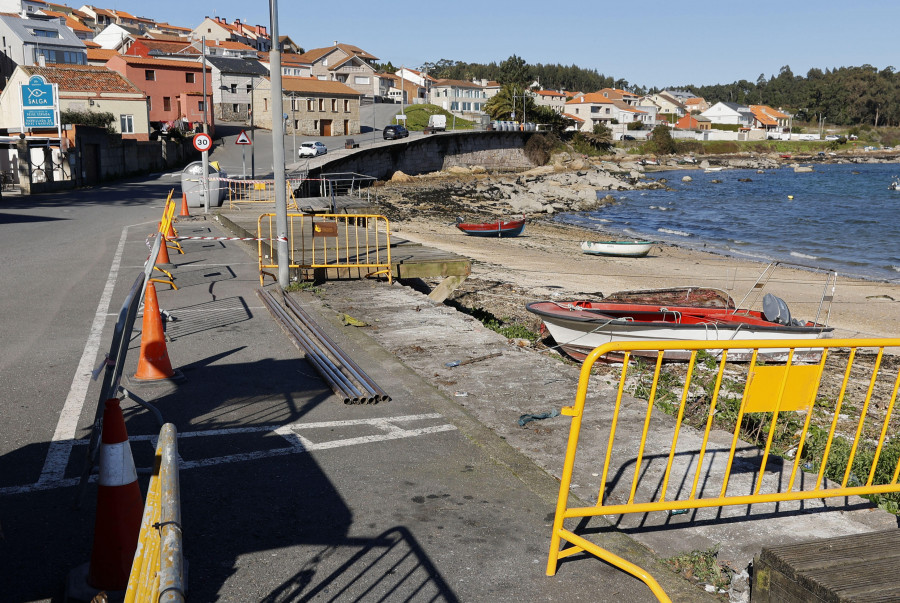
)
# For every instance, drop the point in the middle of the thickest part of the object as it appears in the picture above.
(67, 425)
(297, 443)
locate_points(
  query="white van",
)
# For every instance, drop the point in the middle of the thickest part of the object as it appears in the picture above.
(438, 123)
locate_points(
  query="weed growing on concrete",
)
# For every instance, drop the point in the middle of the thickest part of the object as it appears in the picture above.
(500, 325)
(303, 286)
(703, 567)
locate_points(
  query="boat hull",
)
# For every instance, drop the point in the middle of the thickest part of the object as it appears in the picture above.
(512, 228)
(578, 331)
(626, 249)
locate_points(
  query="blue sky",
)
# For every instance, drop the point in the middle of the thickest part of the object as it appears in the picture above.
(648, 43)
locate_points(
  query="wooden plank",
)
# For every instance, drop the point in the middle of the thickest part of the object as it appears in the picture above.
(855, 568)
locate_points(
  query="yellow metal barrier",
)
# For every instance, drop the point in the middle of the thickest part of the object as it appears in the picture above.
(257, 191)
(157, 573)
(652, 464)
(341, 242)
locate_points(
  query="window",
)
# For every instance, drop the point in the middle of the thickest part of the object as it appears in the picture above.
(309, 104)
(234, 108)
(126, 124)
(249, 88)
(200, 106)
(234, 88)
(45, 33)
(360, 80)
(149, 104)
(189, 77)
(334, 105)
(149, 75)
(167, 103)
(321, 104)
(454, 106)
(346, 106)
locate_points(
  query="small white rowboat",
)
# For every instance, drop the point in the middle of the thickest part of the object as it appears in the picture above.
(627, 249)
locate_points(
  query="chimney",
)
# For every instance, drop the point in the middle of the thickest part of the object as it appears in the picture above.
(335, 42)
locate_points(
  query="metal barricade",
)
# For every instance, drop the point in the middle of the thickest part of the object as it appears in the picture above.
(157, 573)
(816, 436)
(258, 191)
(337, 242)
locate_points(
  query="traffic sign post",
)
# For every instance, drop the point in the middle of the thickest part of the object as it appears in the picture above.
(40, 104)
(244, 141)
(203, 143)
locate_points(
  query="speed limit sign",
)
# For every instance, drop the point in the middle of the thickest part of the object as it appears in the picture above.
(202, 142)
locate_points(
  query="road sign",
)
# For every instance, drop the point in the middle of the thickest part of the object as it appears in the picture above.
(40, 118)
(37, 93)
(242, 138)
(202, 142)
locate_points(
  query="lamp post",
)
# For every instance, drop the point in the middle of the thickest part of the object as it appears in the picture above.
(252, 131)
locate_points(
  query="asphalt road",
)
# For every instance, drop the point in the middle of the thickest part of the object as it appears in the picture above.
(256, 159)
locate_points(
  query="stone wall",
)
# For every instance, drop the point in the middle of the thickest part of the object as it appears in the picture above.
(493, 150)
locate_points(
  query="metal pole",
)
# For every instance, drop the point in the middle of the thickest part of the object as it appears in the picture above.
(278, 150)
(252, 132)
(294, 123)
(205, 131)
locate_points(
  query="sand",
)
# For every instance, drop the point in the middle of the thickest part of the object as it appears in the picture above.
(546, 262)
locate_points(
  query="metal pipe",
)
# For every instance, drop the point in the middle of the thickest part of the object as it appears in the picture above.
(353, 368)
(338, 382)
(171, 556)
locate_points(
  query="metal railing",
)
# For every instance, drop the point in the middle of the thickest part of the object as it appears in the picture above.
(339, 242)
(242, 192)
(816, 437)
(157, 573)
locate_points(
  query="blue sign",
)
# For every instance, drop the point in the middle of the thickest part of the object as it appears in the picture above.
(37, 93)
(40, 118)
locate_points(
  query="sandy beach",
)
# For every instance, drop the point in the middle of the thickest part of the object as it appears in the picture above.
(546, 262)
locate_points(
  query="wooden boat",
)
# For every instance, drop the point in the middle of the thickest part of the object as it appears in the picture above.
(513, 228)
(627, 249)
(580, 326)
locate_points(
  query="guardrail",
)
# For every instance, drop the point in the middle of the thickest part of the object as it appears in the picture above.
(338, 242)
(258, 191)
(157, 573)
(832, 419)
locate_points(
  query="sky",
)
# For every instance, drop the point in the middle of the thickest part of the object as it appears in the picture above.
(648, 44)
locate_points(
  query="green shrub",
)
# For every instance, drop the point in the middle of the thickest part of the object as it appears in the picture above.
(539, 148)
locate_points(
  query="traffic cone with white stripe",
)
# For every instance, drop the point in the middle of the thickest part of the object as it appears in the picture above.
(185, 212)
(119, 506)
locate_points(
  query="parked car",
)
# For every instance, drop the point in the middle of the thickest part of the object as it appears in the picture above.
(392, 132)
(311, 149)
(832, 137)
(627, 137)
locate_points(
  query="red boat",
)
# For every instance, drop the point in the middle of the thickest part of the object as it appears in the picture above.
(513, 228)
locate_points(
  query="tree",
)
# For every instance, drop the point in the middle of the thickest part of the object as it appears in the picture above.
(508, 102)
(600, 138)
(515, 70)
(661, 141)
(97, 119)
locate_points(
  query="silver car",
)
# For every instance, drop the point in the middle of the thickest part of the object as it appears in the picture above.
(311, 149)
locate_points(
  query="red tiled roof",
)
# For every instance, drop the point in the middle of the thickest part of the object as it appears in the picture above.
(100, 54)
(228, 44)
(591, 97)
(84, 78)
(150, 62)
(71, 23)
(572, 117)
(314, 85)
(457, 84)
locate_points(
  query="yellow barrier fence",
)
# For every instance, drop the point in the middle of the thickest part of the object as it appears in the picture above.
(820, 429)
(257, 191)
(157, 573)
(338, 242)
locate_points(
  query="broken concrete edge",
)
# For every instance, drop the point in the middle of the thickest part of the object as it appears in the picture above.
(535, 478)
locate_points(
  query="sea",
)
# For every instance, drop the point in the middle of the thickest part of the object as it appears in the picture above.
(840, 217)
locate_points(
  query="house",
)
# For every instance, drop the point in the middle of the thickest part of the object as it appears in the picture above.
(666, 105)
(168, 29)
(117, 37)
(464, 98)
(81, 31)
(344, 63)
(151, 47)
(696, 104)
(99, 56)
(419, 78)
(287, 45)
(400, 90)
(218, 28)
(99, 18)
(693, 122)
(174, 88)
(233, 83)
(555, 99)
(291, 64)
(38, 40)
(22, 7)
(769, 119)
(226, 48)
(730, 114)
(83, 88)
(142, 24)
(314, 107)
(614, 94)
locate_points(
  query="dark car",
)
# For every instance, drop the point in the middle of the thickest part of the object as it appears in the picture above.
(627, 137)
(393, 132)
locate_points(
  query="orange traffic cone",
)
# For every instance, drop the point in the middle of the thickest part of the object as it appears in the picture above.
(119, 506)
(184, 207)
(163, 256)
(153, 363)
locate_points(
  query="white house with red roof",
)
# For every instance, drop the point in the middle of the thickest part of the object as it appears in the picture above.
(555, 99)
(344, 63)
(218, 28)
(314, 107)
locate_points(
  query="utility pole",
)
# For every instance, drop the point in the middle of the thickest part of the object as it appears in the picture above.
(281, 225)
(205, 154)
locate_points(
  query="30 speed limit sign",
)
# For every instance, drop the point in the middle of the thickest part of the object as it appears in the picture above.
(202, 142)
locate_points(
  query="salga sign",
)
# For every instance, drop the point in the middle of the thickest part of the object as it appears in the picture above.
(40, 104)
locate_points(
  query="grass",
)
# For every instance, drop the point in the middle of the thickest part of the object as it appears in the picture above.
(504, 326)
(703, 567)
(302, 286)
(417, 118)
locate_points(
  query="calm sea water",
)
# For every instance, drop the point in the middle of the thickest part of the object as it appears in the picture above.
(841, 217)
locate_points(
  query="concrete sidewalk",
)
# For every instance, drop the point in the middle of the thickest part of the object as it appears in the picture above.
(287, 493)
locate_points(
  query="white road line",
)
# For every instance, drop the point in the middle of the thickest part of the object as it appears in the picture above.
(61, 444)
(297, 444)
